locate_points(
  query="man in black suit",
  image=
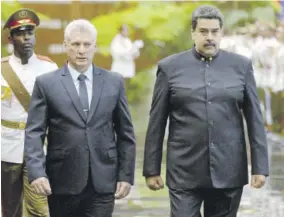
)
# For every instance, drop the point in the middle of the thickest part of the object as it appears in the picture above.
(91, 144)
(204, 92)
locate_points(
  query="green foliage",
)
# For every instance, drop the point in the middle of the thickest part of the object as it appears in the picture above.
(277, 114)
(138, 87)
(162, 22)
(107, 26)
(234, 18)
(264, 13)
(244, 22)
(9, 7)
(240, 13)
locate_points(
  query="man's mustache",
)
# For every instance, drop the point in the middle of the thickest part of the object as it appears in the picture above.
(210, 44)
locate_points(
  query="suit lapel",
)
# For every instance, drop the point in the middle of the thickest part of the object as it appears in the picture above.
(98, 83)
(72, 92)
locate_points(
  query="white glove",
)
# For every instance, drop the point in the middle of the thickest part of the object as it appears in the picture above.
(138, 43)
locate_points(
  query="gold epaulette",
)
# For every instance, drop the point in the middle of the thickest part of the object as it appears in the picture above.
(44, 58)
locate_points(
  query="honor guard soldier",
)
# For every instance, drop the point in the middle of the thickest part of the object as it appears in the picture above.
(18, 74)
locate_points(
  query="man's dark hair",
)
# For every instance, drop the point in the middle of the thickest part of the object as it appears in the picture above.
(206, 12)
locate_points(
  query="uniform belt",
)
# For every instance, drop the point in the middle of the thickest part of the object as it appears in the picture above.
(13, 125)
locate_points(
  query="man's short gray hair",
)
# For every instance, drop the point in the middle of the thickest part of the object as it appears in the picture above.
(82, 25)
(206, 12)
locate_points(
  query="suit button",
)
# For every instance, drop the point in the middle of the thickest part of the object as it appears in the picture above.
(212, 144)
(88, 128)
(209, 102)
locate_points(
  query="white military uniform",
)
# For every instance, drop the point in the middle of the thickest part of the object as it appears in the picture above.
(12, 140)
(243, 45)
(228, 43)
(257, 51)
(123, 53)
(279, 62)
(265, 53)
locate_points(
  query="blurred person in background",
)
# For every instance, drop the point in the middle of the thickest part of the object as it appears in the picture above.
(264, 53)
(204, 92)
(19, 72)
(279, 60)
(124, 52)
(264, 56)
(279, 85)
(91, 144)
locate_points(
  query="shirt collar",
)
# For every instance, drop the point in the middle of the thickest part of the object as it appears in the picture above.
(203, 58)
(75, 74)
(18, 60)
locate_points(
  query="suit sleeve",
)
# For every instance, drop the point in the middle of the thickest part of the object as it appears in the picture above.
(156, 126)
(35, 134)
(126, 144)
(255, 125)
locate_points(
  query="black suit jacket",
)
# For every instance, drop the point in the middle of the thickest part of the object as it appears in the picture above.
(102, 143)
(204, 101)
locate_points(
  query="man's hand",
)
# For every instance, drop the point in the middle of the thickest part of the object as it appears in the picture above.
(257, 181)
(122, 190)
(41, 186)
(155, 182)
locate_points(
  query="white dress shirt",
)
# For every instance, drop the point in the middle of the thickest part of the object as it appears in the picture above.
(12, 140)
(89, 80)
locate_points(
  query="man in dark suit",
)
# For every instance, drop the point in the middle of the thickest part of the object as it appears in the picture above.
(91, 145)
(204, 92)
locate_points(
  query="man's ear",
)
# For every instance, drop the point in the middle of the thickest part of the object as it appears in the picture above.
(64, 44)
(222, 30)
(10, 40)
(193, 34)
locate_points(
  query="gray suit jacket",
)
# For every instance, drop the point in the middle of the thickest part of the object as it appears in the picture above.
(204, 101)
(102, 143)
